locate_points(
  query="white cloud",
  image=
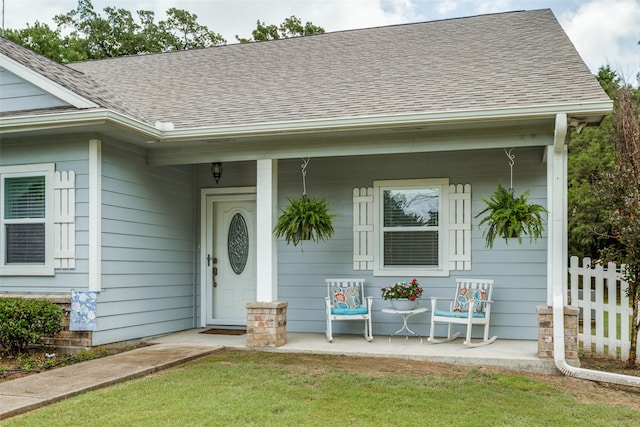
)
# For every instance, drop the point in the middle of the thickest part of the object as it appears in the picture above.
(607, 32)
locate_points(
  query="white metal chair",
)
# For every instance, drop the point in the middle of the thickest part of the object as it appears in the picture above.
(345, 300)
(470, 306)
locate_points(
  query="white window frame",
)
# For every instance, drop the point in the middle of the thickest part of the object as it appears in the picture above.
(47, 268)
(443, 228)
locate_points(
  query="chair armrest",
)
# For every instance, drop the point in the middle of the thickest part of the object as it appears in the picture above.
(434, 302)
(327, 302)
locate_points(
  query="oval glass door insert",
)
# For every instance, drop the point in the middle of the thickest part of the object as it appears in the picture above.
(238, 243)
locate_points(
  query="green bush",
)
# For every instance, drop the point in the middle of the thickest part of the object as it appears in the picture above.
(24, 322)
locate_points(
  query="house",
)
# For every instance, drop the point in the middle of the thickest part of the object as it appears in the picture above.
(118, 153)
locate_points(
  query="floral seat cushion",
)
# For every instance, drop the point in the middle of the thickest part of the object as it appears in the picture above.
(466, 296)
(460, 314)
(346, 300)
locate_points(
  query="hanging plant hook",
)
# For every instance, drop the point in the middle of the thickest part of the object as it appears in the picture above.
(305, 162)
(511, 163)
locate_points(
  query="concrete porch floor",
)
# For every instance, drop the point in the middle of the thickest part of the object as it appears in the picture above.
(518, 355)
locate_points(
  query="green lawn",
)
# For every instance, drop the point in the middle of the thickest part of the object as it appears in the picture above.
(261, 388)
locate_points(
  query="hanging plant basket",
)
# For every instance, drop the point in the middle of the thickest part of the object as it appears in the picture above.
(305, 218)
(511, 217)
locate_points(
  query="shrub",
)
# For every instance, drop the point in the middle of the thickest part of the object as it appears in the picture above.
(24, 322)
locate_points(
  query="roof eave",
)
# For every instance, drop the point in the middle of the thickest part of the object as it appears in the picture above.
(584, 111)
(594, 110)
(40, 122)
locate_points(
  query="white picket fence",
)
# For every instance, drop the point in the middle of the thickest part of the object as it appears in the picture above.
(600, 293)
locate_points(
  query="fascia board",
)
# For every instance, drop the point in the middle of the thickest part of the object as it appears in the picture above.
(79, 118)
(372, 122)
(45, 84)
(87, 117)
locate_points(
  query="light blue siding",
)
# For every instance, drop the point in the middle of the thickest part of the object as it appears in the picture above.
(519, 271)
(147, 247)
(16, 94)
(150, 236)
(68, 154)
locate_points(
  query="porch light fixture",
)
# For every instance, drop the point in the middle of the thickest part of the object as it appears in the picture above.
(216, 171)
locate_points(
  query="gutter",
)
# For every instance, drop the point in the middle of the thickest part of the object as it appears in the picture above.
(90, 117)
(558, 298)
(165, 133)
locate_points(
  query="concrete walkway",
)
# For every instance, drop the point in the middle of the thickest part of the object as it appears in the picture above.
(30, 392)
(27, 393)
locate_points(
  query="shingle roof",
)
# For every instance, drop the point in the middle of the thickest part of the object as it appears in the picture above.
(516, 59)
(67, 77)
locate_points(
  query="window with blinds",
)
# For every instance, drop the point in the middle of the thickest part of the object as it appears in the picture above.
(410, 228)
(24, 219)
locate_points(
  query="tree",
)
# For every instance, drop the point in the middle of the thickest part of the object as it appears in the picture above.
(183, 32)
(619, 190)
(48, 42)
(590, 156)
(118, 33)
(94, 36)
(290, 27)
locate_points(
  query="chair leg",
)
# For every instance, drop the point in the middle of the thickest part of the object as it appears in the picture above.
(368, 334)
(469, 329)
(329, 334)
(433, 339)
(486, 340)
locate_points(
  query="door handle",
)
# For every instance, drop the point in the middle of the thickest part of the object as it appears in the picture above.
(214, 271)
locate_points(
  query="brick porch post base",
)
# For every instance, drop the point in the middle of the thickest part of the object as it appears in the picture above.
(545, 333)
(266, 324)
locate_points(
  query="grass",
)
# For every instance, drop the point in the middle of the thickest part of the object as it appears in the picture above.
(261, 388)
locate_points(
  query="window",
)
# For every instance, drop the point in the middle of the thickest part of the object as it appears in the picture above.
(26, 219)
(411, 227)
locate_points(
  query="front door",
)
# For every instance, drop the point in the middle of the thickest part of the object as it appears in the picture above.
(230, 256)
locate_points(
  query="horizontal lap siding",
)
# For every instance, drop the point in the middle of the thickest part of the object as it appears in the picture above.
(147, 247)
(16, 94)
(519, 271)
(69, 153)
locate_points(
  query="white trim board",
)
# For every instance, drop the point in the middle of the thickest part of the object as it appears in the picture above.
(45, 84)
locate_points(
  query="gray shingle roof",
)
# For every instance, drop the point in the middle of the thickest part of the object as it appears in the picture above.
(67, 77)
(516, 59)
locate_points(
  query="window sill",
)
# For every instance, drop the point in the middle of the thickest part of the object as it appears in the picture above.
(408, 271)
(27, 270)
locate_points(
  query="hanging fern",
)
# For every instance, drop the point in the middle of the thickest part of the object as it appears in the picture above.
(509, 217)
(305, 219)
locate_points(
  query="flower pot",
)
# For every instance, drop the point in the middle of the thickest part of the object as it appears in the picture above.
(404, 304)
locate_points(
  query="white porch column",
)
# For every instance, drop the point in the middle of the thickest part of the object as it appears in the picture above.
(266, 215)
(557, 224)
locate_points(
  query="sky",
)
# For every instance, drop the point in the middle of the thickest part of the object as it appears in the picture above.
(605, 32)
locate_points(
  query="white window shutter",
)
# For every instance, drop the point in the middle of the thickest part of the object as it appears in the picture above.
(460, 227)
(64, 228)
(363, 228)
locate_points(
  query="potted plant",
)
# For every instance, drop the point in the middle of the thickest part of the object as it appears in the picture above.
(403, 295)
(509, 217)
(305, 218)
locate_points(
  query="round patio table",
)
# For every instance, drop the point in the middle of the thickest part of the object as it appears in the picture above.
(405, 314)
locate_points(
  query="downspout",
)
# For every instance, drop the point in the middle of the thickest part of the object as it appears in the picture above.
(557, 220)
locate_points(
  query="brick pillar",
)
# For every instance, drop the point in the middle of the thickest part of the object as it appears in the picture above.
(266, 324)
(545, 333)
